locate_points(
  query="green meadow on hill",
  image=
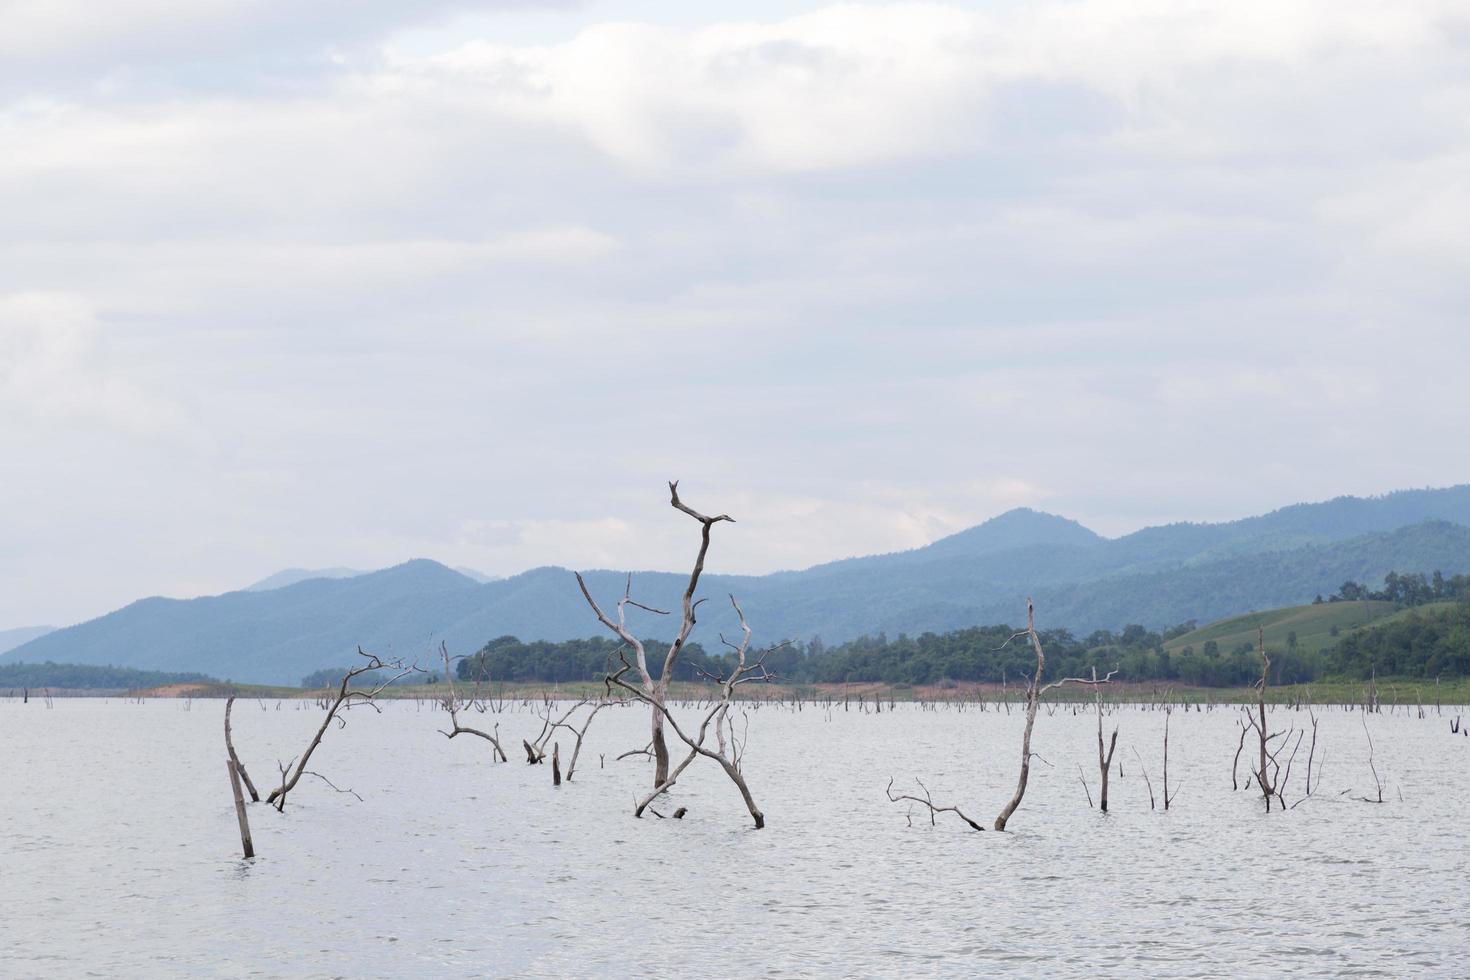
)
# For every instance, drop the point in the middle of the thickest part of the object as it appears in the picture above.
(1317, 626)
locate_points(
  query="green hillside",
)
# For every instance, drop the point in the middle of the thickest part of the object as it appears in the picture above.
(1313, 625)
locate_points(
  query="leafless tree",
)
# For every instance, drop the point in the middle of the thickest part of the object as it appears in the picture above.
(1034, 693)
(1168, 797)
(234, 758)
(452, 704)
(1262, 777)
(346, 697)
(1378, 784)
(567, 722)
(1267, 768)
(1104, 759)
(1312, 751)
(655, 690)
(730, 744)
(246, 844)
(1148, 782)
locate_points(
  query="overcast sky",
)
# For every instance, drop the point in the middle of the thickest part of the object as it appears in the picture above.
(348, 282)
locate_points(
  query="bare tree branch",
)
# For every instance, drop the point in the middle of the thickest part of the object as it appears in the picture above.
(451, 703)
(345, 698)
(928, 801)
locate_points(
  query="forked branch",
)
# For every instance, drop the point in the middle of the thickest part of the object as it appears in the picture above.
(345, 698)
(451, 703)
(928, 801)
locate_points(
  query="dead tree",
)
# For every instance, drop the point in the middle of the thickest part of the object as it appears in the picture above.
(1371, 767)
(1312, 751)
(1147, 782)
(1104, 759)
(451, 703)
(1267, 767)
(578, 734)
(345, 698)
(235, 759)
(1168, 797)
(1034, 693)
(246, 844)
(536, 750)
(655, 690)
(730, 745)
(1234, 766)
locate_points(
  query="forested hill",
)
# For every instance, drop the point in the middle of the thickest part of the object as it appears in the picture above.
(1157, 577)
(12, 638)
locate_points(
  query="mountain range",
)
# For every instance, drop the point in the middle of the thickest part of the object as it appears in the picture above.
(12, 638)
(290, 576)
(1158, 576)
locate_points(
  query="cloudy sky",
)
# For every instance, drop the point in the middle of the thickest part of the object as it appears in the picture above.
(352, 281)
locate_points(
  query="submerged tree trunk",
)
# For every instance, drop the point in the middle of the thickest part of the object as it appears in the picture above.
(1263, 778)
(1033, 697)
(1104, 759)
(246, 844)
(729, 747)
(660, 747)
(235, 759)
(655, 690)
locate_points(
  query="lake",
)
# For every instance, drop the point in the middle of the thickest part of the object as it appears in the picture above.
(120, 854)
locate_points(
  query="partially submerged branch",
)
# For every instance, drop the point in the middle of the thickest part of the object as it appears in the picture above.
(345, 698)
(729, 745)
(928, 801)
(452, 704)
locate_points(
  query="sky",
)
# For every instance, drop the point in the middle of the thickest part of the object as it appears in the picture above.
(357, 281)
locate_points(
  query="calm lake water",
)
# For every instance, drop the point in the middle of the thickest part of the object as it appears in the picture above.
(119, 854)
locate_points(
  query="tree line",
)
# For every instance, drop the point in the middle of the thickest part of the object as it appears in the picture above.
(1428, 644)
(329, 676)
(977, 654)
(1411, 589)
(1425, 643)
(508, 658)
(87, 676)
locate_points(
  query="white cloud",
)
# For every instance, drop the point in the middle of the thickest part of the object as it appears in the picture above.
(52, 371)
(861, 275)
(862, 84)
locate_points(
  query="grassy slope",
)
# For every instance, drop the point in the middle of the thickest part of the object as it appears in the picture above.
(1313, 626)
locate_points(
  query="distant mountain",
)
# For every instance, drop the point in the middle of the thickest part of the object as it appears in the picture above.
(290, 576)
(268, 636)
(10, 639)
(1158, 576)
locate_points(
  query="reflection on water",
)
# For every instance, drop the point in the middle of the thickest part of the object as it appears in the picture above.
(119, 851)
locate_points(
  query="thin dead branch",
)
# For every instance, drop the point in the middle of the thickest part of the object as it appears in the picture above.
(452, 704)
(928, 801)
(346, 698)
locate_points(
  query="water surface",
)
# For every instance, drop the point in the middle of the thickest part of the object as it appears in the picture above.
(119, 852)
